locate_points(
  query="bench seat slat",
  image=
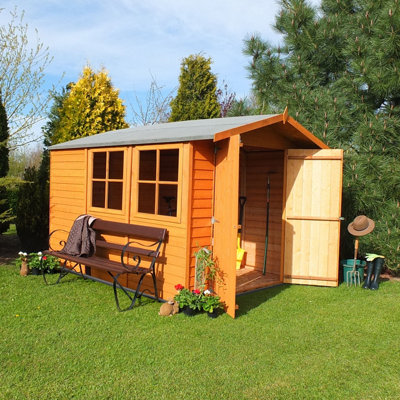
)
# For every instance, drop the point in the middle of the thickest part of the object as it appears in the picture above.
(98, 262)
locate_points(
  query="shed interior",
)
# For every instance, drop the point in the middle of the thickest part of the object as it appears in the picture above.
(257, 167)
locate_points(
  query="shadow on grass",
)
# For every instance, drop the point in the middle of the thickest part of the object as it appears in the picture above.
(249, 301)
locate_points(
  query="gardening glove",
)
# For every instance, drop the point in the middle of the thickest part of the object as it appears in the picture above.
(371, 256)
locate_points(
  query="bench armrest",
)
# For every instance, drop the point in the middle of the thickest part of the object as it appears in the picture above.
(61, 242)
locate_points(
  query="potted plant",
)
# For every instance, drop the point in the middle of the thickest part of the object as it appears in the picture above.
(211, 304)
(50, 264)
(206, 269)
(189, 301)
(34, 262)
(22, 263)
(39, 262)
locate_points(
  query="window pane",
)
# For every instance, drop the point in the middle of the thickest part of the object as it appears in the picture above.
(115, 195)
(99, 165)
(147, 198)
(98, 194)
(169, 161)
(116, 167)
(167, 200)
(147, 165)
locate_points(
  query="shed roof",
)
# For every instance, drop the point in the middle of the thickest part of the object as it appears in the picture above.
(183, 131)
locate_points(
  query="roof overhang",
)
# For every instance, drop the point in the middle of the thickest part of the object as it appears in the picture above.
(276, 132)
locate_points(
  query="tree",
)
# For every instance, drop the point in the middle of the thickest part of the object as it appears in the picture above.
(4, 206)
(23, 62)
(197, 92)
(155, 108)
(226, 99)
(92, 106)
(338, 71)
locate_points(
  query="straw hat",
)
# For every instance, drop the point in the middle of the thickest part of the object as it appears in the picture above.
(361, 226)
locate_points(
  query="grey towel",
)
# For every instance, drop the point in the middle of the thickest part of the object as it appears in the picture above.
(82, 238)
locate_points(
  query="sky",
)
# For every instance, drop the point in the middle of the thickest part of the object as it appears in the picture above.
(135, 40)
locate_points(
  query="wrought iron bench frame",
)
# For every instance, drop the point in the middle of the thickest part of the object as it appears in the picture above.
(133, 251)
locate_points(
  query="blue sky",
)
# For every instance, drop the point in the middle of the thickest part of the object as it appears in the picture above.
(135, 40)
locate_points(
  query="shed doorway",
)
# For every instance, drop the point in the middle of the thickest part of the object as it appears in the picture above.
(259, 169)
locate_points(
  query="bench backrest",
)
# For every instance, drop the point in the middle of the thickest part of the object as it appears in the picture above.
(155, 235)
(122, 229)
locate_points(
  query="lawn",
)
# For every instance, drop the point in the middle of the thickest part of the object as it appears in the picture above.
(288, 342)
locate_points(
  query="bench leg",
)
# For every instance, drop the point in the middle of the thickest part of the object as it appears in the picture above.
(64, 271)
(153, 275)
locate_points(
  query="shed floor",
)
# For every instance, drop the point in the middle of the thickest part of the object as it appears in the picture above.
(248, 279)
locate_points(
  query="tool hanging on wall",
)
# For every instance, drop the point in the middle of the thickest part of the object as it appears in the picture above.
(267, 227)
(240, 252)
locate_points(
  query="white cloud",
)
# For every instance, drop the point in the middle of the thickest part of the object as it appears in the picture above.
(133, 38)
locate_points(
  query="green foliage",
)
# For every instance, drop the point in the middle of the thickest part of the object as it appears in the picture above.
(211, 302)
(197, 92)
(5, 212)
(88, 107)
(338, 72)
(206, 270)
(33, 210)
(189, 298)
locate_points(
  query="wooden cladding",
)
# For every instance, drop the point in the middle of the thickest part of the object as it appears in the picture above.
(312, 216)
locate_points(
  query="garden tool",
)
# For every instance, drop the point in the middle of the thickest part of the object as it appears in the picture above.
(354, 275)
(240, 252)
(267, 226)
(361, 226)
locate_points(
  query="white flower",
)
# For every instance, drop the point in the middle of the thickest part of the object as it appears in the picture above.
(207, 292)
(20, 253)
(25, 254)
(39, 253)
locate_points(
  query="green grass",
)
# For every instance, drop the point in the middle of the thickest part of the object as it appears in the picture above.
(12, 230)
(288, 342)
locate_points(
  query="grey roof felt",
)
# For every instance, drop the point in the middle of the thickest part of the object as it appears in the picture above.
(171, 132)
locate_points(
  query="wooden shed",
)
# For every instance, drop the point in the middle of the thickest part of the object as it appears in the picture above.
(187, 177)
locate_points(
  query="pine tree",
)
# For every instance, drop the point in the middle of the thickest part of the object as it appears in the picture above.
(4, 135)
(338, 71)
(197, 92)
(92, 106)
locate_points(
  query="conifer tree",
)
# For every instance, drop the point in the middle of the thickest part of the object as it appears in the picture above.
(197, 92)
(92, 106)
(338, 71)
(4, 135)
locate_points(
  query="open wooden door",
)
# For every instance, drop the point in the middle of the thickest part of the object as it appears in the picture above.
(226, 217)
(312, 216)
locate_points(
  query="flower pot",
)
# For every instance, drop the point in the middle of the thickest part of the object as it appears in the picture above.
(189, 311)
(24, 271)
(213, 314)
(35, 271)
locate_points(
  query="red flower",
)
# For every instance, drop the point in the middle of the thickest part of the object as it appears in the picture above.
(44, 258)
(178, 287)
(196, 291)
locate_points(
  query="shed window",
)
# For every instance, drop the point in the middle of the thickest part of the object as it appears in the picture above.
(158, 181)
(107, 179)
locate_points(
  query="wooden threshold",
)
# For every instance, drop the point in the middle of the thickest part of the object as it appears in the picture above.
(248, 279)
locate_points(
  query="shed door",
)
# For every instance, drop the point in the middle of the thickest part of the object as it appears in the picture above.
(312, 216)
(226, 217)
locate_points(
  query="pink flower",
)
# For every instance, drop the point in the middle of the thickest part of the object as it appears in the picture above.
(178, 287)
(196, 291)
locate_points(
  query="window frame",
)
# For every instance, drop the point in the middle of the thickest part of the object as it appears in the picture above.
(107, 180)
(157, 182)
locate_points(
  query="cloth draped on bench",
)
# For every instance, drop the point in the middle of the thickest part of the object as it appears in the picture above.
(82, 238)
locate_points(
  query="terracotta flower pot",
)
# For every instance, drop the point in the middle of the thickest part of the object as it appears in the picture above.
(24, 271)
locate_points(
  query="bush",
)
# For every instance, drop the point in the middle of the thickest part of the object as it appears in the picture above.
(32, 210)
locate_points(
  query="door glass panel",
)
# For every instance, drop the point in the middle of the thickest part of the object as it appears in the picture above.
(98, 194)
(147, 195)
(99, 165)
(169, 161)
(167, 196)
(147, 165)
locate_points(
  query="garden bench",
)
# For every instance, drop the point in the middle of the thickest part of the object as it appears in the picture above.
(133, 251)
